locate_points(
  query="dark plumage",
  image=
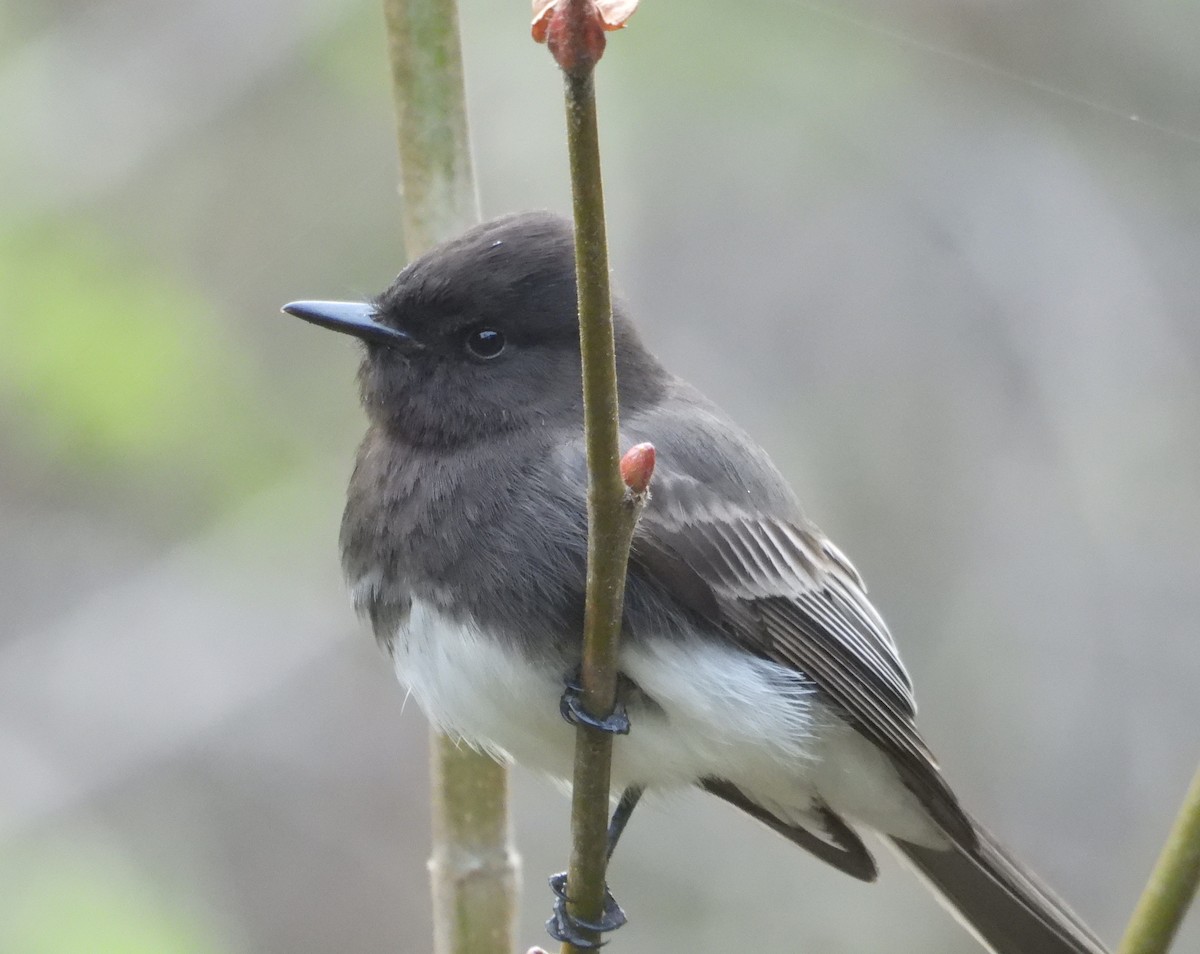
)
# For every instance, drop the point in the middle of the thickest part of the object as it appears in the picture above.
(753, 664)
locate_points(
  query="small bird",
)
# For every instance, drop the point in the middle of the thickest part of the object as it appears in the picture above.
(752, 664)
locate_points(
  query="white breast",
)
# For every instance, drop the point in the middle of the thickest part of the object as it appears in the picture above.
(721, 713)
(470, 686)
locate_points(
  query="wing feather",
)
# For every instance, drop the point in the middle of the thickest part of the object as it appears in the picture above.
(781, 589)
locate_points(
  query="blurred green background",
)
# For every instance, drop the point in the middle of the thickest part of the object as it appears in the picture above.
(940, 258)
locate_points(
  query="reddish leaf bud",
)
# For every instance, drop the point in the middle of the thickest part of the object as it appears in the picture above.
(637, 467)
(574, 29)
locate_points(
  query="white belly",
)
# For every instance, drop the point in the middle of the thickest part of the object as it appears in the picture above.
(720, 708)
(724, 714)
(467, 685)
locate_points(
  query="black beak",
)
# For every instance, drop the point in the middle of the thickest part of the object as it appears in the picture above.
(351, 318)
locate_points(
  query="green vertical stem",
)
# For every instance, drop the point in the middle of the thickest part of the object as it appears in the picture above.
(437, 182)
(611, 511)
(473, 868)
(1172, 885)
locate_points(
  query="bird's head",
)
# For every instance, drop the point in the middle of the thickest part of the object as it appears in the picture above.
(478, 336)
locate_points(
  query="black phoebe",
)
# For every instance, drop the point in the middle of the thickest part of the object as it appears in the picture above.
(752, 663)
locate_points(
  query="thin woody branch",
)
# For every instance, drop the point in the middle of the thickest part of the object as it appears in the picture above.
(473, 868)
(574, 31)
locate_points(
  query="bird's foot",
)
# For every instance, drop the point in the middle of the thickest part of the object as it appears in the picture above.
(567, 928)
(571, 708)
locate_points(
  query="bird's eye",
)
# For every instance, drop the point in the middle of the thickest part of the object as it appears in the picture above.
(485, 343)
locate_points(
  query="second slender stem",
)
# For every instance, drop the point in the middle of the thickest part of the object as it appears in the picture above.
(1172, 885)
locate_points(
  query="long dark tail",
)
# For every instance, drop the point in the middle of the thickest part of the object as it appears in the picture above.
(1007, 908)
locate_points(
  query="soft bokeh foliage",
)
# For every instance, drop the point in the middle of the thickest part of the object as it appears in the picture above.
(81, 897)
(113, 369)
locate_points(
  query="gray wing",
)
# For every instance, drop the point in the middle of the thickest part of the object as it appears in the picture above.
(782, 590)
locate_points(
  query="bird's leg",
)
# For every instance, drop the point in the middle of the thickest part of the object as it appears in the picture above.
(566, 927)
(620, 817)
(571, 709)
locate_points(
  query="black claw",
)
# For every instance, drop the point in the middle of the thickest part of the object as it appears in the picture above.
(567, 928)
(571, 707)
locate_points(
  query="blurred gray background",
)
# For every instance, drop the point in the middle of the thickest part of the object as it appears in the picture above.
(940, 258)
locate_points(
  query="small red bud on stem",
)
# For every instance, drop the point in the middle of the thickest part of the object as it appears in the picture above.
(574, 29)
(637, 467)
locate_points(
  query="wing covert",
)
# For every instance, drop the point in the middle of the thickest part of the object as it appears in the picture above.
(784, 591)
